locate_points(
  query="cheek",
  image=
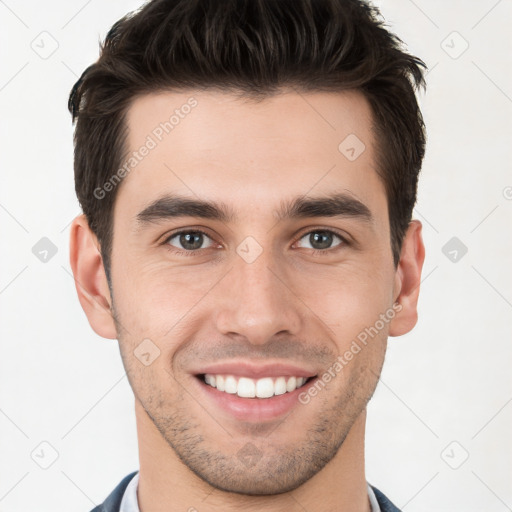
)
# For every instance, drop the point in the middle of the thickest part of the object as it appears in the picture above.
(153, 298)
(348, 300)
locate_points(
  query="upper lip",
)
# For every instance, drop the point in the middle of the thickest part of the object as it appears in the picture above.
(255, 371)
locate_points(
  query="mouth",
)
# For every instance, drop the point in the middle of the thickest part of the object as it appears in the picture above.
(247, 387)
(253, 394)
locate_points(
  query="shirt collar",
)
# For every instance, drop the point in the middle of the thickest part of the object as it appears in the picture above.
(131, 504)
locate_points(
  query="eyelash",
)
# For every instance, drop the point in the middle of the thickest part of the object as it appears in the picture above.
(314, 252)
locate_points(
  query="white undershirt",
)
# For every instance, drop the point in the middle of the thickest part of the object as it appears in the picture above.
(130, 503)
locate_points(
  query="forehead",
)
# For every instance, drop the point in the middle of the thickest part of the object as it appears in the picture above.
(244, 153)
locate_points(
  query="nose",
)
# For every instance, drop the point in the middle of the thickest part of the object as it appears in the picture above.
(256, 302)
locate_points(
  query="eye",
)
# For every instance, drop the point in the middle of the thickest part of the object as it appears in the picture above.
(320, 240)
(188, 241)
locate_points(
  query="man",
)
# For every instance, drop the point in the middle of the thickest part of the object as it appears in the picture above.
(247, 171)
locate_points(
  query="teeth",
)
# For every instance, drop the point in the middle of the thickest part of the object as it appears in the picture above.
(246, 388)
(291, 384)
(231, 385)
(280, 386)
(251, 388)
(264, 388)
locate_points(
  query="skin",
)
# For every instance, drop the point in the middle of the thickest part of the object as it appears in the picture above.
(289, 305)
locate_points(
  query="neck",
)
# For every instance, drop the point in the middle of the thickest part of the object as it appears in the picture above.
(167, 485)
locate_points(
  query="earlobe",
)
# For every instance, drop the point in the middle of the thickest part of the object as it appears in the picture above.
(408, 279)
(90, 279)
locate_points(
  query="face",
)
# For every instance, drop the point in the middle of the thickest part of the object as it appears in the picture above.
(251, 253)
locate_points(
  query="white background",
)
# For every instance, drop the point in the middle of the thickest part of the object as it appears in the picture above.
(445, 391)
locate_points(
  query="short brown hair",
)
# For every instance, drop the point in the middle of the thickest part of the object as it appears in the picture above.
(252, 47)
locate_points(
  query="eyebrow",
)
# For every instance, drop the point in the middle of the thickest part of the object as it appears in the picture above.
(335, 205)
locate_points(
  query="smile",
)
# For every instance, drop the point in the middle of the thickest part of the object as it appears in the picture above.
(246, 387)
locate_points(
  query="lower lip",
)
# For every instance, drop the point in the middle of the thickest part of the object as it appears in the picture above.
(254, 409)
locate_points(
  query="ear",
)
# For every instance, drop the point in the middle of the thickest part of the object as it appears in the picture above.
(407, 280)
(90, 279)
